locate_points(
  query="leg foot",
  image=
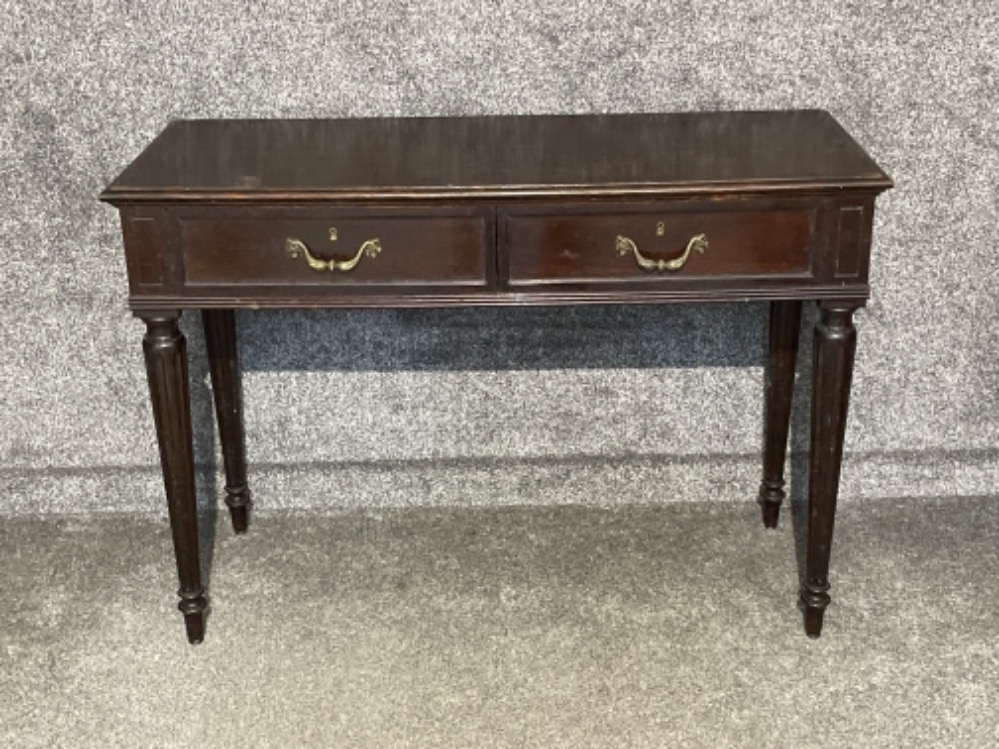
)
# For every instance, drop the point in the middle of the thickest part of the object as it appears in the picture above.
(195, 624)
(238, 503)
(813, 622)
(770, 511)
(193, 605)
(814, 604)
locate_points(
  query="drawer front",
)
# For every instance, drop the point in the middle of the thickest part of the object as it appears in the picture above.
(663, 243)
(331, 248)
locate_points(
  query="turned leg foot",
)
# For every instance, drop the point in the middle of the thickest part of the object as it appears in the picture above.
(770, 508)
(782, 351)
(223, 361)
(238, 503)
(814, 600)
(194, 608)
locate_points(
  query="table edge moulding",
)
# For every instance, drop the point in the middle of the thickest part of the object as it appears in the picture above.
(220, 215)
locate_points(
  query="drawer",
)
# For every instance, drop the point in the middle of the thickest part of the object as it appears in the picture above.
(658, 243)
(330, 247)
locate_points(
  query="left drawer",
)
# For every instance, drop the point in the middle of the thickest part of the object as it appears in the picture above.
(336, 247)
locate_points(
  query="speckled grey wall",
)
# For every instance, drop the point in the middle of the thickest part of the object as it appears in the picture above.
(598, 405)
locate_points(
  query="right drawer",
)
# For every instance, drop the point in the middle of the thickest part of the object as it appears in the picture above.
(657, 243)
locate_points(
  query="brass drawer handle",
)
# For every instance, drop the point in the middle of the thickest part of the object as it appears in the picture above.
(624, 245)
(296, 247)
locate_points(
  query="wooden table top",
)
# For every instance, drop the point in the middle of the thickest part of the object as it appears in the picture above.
(498, 156)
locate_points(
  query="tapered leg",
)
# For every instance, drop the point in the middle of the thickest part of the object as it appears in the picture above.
(220, 338)
(785, 320)
(835, 344)
(166, 366)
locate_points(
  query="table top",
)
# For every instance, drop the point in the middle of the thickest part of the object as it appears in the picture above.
(490, 156)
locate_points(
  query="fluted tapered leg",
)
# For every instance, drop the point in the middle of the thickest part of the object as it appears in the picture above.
(782, 345)
(223, 360)
(166, 366)
(835, 344)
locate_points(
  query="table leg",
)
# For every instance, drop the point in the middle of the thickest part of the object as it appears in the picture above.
(223, 360)
(835, 344)
(166, 367)
(785, 321)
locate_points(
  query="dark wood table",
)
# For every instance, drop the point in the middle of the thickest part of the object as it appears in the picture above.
(515, 210)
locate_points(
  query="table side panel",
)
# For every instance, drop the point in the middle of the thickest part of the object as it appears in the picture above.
(147, 238)
(851, 235)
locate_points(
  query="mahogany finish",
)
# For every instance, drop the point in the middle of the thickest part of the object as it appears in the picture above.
(515, 210)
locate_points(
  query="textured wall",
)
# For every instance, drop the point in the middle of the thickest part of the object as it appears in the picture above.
(597, 405)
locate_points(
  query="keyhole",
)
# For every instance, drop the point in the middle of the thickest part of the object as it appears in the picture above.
(660, 229)
(332, 233)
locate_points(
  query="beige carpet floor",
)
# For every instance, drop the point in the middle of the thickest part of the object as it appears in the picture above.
(669, 626)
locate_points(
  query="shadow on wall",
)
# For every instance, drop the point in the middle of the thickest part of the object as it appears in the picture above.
(511, 338)
(474, 339)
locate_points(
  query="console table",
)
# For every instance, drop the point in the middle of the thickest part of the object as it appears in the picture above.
(511, 210)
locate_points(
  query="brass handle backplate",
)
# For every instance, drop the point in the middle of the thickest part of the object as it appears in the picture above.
(624, 245)
(296, 247)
